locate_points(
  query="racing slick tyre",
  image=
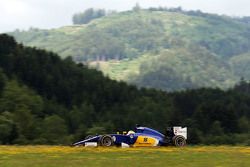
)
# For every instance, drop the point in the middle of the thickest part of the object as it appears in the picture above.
(179, 141)
(106, 141)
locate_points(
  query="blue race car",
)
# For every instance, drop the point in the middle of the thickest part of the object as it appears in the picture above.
(142, 136)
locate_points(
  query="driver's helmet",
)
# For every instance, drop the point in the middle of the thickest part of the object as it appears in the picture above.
(130, 132)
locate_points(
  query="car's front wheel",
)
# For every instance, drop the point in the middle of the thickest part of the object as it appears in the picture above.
(106, 141)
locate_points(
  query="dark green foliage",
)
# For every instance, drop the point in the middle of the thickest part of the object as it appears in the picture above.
(2, 81)
(54, 129)
(243, 87)
(96, 130)
(46, 100)
(80, 96)
(162, 79)
(7, 128)
(16, 97)
(8, 44)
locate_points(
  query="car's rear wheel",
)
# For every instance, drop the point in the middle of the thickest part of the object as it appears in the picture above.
(179, 141)
(106, 141)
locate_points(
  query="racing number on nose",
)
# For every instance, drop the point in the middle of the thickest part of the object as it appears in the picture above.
(145, 139)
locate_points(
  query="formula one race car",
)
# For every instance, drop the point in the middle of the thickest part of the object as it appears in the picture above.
(142, 136)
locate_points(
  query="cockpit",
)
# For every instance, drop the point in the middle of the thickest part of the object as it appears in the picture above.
(130, 132)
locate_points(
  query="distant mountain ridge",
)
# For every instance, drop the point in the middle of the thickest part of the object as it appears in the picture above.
(160, 48)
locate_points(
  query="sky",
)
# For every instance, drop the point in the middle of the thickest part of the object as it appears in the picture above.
(23, 14)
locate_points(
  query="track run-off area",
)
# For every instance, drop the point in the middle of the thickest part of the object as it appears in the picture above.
(64, 156)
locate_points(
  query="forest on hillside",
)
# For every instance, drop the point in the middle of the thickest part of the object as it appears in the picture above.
(164, 48)
(48, 100)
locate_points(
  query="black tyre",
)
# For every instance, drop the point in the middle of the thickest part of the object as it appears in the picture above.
(179, 141)
(106, 141)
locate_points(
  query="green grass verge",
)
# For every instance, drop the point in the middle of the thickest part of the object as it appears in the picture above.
(51, 156)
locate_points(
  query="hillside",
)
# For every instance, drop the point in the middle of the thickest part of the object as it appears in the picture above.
(46, 100)
(160, 48)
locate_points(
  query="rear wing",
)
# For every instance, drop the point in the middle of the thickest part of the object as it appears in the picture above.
(178, 130)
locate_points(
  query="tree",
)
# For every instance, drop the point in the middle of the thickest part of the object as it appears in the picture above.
(88, 15)
(17, 96)
(2, 81)
(55, 129)
(24, 121)
(6, 129)
(216, 129)
(137, 7)
(96, 130)
(8, 43)
(75, 119)
(243, 86)
(244, 124)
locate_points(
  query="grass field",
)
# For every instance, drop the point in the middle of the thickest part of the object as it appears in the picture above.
(60, 156)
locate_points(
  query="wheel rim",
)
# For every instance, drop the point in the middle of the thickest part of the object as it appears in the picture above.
(180, 142)
(107, 141)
